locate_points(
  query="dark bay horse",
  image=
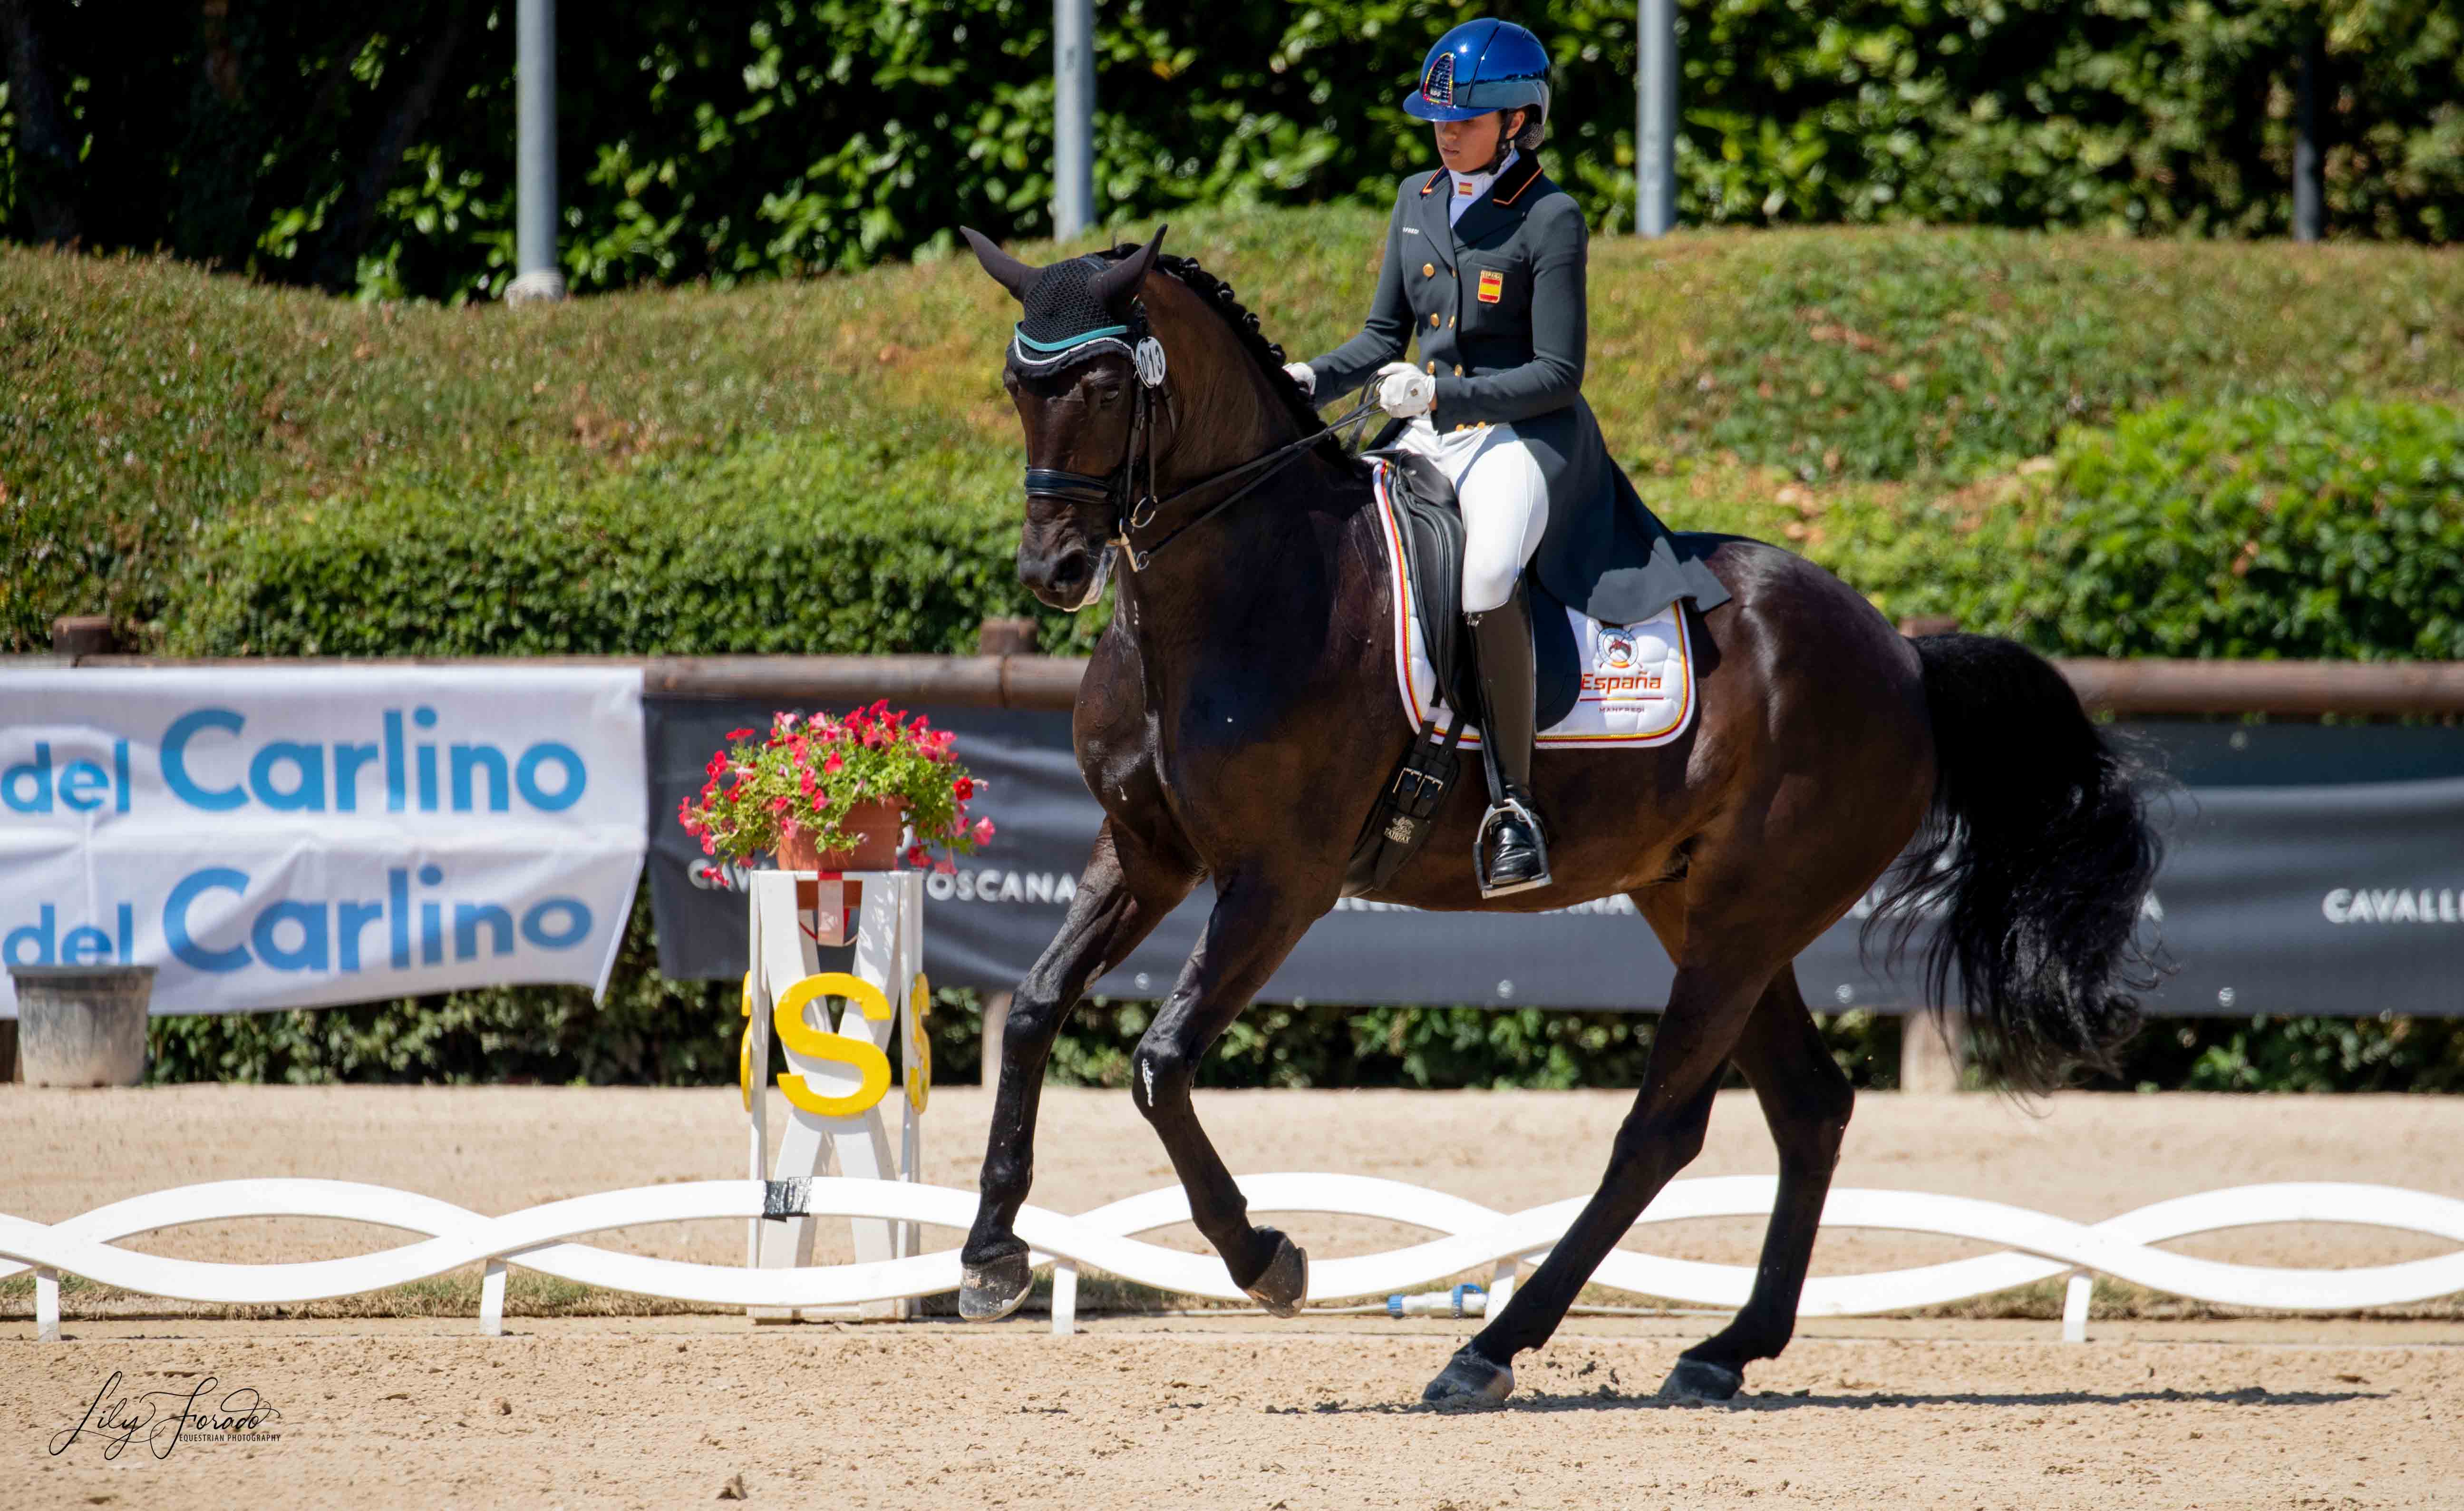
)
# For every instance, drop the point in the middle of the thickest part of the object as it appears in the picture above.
(1238, 719)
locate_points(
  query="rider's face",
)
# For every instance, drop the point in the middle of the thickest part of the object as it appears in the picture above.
(1466, 147)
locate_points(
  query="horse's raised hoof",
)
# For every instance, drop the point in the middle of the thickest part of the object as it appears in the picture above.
(1470, 1380)
(1701, 1380)
(987, 1293)
(1285, 1284)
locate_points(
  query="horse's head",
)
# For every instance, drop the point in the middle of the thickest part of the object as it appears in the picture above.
(1071, 372)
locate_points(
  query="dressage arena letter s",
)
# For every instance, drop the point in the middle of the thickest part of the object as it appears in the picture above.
(869, 1063)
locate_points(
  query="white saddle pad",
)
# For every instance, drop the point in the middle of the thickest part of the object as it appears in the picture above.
(1637, 679)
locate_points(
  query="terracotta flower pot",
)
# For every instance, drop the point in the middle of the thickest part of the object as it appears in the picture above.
(874, 823)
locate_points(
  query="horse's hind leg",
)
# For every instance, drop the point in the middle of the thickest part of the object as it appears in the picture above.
(1805, 1098)
(1719, 980)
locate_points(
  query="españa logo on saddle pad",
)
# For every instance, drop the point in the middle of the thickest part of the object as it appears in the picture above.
(1493, 285)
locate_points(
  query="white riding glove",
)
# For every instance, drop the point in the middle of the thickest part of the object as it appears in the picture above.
(1300, 374)
(1403, 390)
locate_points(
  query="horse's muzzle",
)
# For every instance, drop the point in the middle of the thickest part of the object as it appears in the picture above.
(1070, 579)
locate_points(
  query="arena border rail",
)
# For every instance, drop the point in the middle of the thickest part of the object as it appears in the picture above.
(2121, 686)
(2033, 1246)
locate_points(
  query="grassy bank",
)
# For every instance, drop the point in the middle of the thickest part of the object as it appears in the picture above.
(226, 467)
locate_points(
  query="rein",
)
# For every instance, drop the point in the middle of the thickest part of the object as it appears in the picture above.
(1136, 513)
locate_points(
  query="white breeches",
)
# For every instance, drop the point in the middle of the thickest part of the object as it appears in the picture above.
(1505, 502)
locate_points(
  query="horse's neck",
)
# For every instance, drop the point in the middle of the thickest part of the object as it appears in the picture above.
(1273, 560)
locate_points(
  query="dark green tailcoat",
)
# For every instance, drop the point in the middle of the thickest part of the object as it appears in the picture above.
(1496, 302)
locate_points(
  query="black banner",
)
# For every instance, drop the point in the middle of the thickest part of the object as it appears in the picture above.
(2310, 869)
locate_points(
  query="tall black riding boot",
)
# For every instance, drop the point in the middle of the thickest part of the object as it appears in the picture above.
(1512, 851)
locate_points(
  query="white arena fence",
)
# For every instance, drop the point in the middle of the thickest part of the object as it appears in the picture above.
(2033, 1246)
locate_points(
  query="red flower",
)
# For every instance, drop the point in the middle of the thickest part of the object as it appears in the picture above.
(945, 868)
(739, 734)
(915, 855)
(962, 788)
(717, 763)
(983, 831)
(834, 764)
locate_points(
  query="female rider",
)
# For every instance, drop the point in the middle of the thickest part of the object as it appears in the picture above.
(1484, 263)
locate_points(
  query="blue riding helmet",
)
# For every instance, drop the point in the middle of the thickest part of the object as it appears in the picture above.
(1478, 67)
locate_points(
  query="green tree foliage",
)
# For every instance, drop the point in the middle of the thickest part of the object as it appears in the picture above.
(369, 148)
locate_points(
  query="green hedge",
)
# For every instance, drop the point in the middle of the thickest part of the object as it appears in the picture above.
(2256, 528)
(777, 543)
(2263, 528)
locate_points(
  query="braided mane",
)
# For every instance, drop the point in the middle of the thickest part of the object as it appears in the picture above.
(1217, 297)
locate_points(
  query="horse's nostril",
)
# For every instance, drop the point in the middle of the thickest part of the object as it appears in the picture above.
(1066, 574)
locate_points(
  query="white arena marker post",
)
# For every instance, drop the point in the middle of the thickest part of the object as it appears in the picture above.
(2076, 1294)
(47, 1307)
(836, 1090)
(1064, 1300)
(492, 1300)
(1500, 1285)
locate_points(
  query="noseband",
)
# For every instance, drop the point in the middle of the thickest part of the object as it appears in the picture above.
(1132, 508)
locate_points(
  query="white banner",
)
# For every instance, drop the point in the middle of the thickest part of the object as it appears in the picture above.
(288, 837)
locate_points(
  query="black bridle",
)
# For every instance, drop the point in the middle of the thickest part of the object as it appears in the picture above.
(1133, 509)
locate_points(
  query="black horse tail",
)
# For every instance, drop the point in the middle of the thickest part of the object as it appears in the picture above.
(2034, 862)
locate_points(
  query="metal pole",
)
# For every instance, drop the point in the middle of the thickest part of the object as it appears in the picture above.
(538, 275)
(2306, 184)
(1655, 127)
(1074, 115)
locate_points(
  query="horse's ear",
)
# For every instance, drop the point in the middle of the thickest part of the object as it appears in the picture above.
(1006, 271)
(1124, 277)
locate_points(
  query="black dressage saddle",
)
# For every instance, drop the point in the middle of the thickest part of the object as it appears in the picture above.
(1432, 527)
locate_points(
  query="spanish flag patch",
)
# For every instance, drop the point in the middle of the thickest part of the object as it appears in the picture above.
(1492, 286)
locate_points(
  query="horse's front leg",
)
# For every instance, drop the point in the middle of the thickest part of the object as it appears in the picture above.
(1255, 924)
(1124, 893)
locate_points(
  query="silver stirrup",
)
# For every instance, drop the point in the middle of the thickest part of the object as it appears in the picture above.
(1480, 848)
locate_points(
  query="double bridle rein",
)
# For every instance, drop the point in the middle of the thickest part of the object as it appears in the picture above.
(1134, 508)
